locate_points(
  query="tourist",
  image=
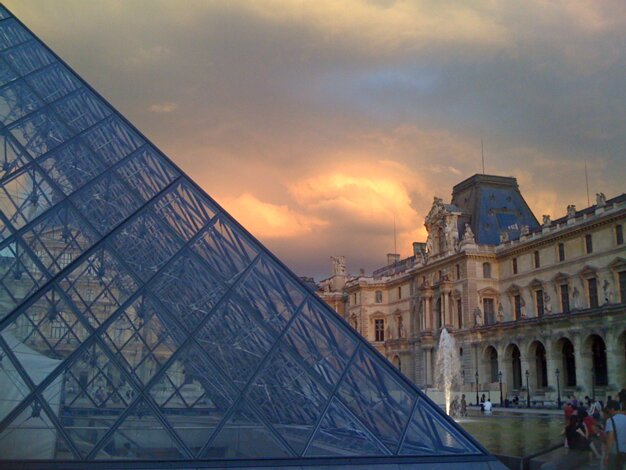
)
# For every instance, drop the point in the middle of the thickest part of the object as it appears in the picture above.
(488, 406)
(612, 404)
(463, 406)
(568, 411)
(577, 443)
(595, 410)
(615, 446)
(622, 398)
(574, 401)
(588, 401)
(591, 431)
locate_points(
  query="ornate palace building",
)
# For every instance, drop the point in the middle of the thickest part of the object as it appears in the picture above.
(539, 306)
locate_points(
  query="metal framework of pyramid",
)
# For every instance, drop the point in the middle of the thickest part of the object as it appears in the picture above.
(140, 322)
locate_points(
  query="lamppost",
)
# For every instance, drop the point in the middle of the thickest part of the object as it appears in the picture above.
(476, 376)
(500, 380)
(593, 384)
(558, 389)
(527, 391)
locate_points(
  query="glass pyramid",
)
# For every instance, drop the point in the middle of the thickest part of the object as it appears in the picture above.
(139, 321)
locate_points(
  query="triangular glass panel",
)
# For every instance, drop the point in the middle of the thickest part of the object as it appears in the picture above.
(88, 396)
(140, 436)
(429, 433)
(98, 286)
(24, 196)
(12, 158)
(44, 333)
(143, 338)
(33, 436)
(273, 297)
(244, 436)
(147, 173)
(106, 202)
(289, 398)
(377, 397)
(188, 288)
(13, 389)
(236, 342)
(147, 244)
(322, 342)
(185, 210)
(153, 326)
(20, 276)
(71, 166)
(225, 249)
(192, 386)
(341, 435)
(59, 237)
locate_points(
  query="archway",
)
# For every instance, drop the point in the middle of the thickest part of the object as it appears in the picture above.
(514, 365)
(490, 361)
(598, 360)
(563, 351)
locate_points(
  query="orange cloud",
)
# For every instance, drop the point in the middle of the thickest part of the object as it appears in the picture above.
(266, 220)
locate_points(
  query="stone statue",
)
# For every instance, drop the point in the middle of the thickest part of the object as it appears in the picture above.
(338, 265)
(546, 220)
(478, 317)
(571, 211)
(576, 298)
(424, 256)
(500, 313)
(608, 294)
(600, 199)
(525, 230)
(452, 235)
(400, 328)
(547, 305)
(468, 235)
(522, 307)
(504, 237)
(429, 245)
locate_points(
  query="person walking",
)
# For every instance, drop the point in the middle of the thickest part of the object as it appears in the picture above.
(615, 441)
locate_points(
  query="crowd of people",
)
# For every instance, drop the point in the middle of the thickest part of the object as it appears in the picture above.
(594, 430)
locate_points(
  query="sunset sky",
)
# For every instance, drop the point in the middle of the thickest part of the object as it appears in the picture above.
(316, 123)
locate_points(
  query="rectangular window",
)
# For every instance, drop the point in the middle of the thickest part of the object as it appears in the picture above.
(619, 235)
(354, 298)
(588, 243)
(514, 263)
(399, 292)
(379, 297)
(517, 305)
(564, 298)
(622, 286)
(57, 329)
(488, 305)
(458, 272)
(379, 330)
(561, 252)
(459, 312)
(539, 301)
(537, 260)
(592, 284)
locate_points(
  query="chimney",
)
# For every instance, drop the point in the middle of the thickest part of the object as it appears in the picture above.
(392, 258)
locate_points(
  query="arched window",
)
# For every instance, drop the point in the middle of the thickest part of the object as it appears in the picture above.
(487, 270)
(598, 354)
(438, 319)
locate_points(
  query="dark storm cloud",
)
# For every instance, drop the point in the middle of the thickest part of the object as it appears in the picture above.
(317, 123)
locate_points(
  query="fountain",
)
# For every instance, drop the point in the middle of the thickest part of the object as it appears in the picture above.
(448, 366)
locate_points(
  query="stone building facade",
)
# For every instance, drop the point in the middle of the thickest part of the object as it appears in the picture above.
(538, 306)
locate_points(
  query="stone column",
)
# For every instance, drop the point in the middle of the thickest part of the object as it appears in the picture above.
(584, 362)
